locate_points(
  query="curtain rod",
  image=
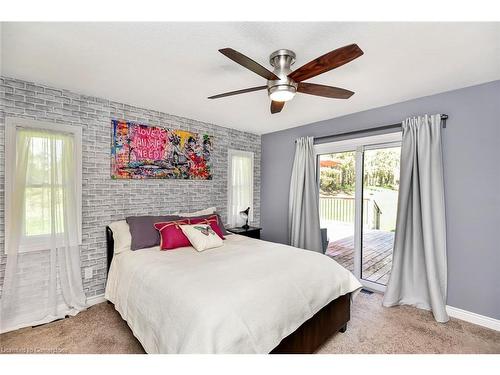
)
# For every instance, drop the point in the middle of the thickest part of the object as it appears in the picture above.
(378, 128)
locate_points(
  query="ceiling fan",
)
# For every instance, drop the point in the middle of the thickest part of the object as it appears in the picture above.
(283, 83)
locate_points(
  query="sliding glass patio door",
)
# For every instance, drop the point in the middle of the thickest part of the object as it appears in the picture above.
(358, 182)
(337, 185)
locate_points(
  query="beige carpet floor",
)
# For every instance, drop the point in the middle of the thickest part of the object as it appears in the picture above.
(372, 329)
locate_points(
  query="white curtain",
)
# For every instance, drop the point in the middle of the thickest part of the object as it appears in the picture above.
(419, 268)
(303, 208)
(240, 186)
(42, 277)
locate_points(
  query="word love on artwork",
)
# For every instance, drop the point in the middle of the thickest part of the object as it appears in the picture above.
(140, 151)
(149, 143)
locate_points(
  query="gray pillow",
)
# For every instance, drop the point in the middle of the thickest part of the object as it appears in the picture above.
(219, 221)
(143, 232)
(221, 225)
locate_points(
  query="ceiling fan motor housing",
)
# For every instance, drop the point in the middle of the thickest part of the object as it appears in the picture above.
(282, 60)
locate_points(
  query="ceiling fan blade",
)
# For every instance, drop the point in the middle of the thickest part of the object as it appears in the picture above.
(238, 92)
(276, 106)
(327, 62)
(248, 63)
(322, 90)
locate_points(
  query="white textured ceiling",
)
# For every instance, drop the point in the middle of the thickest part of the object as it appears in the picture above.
(173, 67)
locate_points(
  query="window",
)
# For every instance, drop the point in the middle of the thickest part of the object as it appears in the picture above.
(240, 186)
(43, 179)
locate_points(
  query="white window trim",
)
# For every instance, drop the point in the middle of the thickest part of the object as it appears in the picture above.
(230, 154)
(11, 125)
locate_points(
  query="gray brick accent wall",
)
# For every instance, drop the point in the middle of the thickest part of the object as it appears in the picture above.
(106, 200)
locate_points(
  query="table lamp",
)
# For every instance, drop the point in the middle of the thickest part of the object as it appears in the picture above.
(244, 214)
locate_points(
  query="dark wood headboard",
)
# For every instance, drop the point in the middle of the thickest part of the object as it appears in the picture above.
(110, 245)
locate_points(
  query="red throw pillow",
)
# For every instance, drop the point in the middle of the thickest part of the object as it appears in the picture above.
(171, 236)
(212, 221)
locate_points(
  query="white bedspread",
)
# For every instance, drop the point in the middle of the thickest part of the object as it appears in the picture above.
(244, 297)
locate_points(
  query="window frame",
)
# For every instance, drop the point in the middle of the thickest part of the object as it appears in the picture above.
(12, 124)
(230, 154)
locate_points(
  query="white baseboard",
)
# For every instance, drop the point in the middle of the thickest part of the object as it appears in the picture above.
(474, 318)
(91, 301)
(454, 312)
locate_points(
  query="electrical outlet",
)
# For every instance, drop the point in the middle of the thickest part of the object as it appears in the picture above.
(89, 272)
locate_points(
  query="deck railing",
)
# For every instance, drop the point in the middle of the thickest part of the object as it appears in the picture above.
(342, 209)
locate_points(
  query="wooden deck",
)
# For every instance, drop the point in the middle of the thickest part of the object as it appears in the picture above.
(377, 254)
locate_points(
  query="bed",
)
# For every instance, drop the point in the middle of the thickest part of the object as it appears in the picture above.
(249, 296)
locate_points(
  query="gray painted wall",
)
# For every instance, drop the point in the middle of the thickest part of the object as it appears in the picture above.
(471, 146)
(106, 200)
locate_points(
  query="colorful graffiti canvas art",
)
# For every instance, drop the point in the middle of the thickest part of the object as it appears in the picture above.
(140, 151)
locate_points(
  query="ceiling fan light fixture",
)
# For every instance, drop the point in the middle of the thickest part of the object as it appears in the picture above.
(283, 83)
(282, 93)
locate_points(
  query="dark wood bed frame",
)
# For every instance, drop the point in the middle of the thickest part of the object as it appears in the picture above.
(311, 334)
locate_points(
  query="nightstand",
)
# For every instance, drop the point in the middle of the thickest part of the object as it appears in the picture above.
(253, 232)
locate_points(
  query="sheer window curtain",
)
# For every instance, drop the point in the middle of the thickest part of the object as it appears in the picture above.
(303, 209)
(43, 276)
(240, 186)
(419, 268)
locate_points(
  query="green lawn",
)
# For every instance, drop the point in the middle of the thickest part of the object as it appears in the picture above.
(38, 211)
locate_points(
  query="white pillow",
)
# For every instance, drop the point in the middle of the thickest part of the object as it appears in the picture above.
(206, 211)
(201, 236)
(121, 236)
